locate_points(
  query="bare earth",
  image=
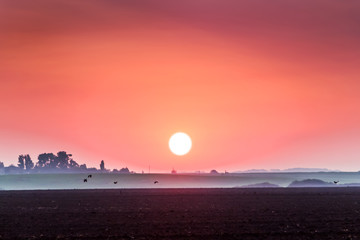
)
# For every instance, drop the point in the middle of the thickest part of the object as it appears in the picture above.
(306, 213)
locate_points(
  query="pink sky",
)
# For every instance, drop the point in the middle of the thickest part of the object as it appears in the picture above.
(256, 84)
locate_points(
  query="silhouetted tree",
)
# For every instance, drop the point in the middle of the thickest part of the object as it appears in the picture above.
(28, 162)
(63, 159)
(21, 164)
(47, 160)
(73, 164)
(83, 167)
(102, 165)
(42, 159)
(53, 161)
(214, 171)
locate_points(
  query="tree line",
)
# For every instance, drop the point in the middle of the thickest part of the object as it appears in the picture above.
(49, 162)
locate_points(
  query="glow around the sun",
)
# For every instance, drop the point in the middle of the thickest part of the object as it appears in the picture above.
(180, 143)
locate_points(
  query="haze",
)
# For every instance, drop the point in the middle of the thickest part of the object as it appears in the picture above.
(255, 84)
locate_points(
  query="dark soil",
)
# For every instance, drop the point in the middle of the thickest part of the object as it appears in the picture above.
(281, 213)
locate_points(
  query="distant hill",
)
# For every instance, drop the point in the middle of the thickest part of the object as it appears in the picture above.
(288, 170)
(261, 185)
(311, 183)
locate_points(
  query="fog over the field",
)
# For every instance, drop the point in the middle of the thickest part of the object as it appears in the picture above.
(106, 180)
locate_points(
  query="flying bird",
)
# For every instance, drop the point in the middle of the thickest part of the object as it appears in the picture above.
(156, 182)
(90, 176)
(115, 182)
(336, 182)
(85, 180)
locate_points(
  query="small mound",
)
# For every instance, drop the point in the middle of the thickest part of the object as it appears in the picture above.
(311, 183)
(261, 185)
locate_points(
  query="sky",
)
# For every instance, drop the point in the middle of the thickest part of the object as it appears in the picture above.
(254, 83)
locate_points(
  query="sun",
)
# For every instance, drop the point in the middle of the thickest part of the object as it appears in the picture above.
(180, 143)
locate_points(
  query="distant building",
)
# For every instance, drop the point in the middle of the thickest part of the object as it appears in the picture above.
(124, 170)
(102, 165)
(92, 169)
(12, 170)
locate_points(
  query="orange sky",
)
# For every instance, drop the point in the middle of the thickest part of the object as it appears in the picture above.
(256, 84)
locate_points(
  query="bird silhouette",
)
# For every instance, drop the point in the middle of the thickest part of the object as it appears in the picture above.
(156, 182)
(85, 180)
(90, 176)
(336, 182)
(115, 182)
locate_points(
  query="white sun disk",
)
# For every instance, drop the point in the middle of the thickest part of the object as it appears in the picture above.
(180, 143)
